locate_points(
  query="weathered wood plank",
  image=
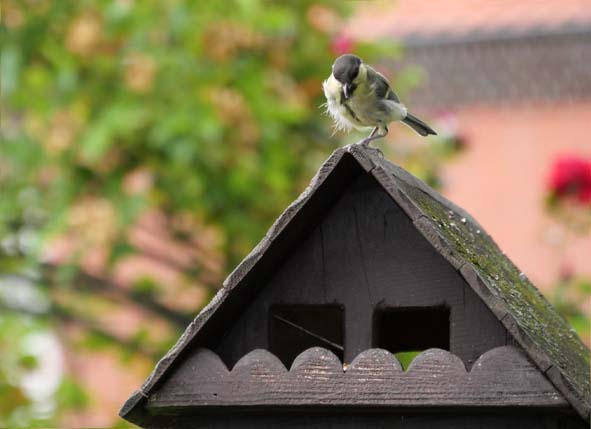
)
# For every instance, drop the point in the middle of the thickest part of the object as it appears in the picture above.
(346, 273)
(374, 361)
(366, 255)
(531, 319)
(258, 363)
(502, 377)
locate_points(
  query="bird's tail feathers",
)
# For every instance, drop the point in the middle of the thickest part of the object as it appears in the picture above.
(418, 125)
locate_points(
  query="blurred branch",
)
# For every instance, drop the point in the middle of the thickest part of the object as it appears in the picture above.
(64, 315)
(100, 285)
(207, 275)
(205, 280)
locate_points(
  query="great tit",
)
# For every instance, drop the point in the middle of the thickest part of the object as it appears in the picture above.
(358, 97)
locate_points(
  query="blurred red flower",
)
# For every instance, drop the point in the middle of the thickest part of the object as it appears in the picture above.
(342, 44)
(570, 176)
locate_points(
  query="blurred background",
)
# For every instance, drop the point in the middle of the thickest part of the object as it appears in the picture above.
(147, 146)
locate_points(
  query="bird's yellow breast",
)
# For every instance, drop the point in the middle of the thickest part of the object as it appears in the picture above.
(338, 108)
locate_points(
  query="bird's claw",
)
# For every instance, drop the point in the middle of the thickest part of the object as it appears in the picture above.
(380, 153)
(365, 143)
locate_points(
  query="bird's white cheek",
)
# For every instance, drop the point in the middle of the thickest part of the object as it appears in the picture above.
(332, 89)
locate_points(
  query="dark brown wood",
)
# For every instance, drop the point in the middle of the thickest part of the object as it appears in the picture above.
(209, 321)
(502, 377)
(366, 255)
(531, 320)
(426, 228)
(559, 380)
(367, 236)
(494, 304)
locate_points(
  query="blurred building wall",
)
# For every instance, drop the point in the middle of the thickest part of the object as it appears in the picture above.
(515, 77)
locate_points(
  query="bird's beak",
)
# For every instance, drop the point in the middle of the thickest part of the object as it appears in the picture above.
(346, 89)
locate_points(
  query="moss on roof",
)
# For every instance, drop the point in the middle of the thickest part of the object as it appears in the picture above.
(536, 317)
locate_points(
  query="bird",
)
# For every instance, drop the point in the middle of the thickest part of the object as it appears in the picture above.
(357, 96)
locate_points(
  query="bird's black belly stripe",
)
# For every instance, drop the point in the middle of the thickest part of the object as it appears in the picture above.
(351, 112)
(344, 103)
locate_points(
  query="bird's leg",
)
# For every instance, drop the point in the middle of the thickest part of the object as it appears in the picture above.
(369, 138)
(374, 135)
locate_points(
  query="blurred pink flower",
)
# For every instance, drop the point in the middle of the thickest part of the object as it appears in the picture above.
(567, 271)
(448, 127)
(570, 176)
(342, 44)
(138, 181)
(323, 18)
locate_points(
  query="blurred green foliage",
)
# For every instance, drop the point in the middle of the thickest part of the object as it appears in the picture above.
(13, 398)
(205, 113)
(567, 296)
(23, 401)
(213, 105)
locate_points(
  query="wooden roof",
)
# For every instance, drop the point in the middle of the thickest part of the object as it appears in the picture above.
(543, 334)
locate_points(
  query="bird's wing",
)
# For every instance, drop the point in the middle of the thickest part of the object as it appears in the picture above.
(381, 85)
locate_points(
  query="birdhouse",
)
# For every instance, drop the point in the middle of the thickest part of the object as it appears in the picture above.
(372, 301)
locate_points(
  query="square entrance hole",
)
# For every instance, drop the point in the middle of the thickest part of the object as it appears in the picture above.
(407, 331)
(295, 328)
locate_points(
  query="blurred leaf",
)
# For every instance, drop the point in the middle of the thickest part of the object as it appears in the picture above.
(119, 250)
(97, 341)
(117, 121)
(72, 395)
(585, 287)
(406, 358)
(28, 362)
(145, 287)
(10, 63)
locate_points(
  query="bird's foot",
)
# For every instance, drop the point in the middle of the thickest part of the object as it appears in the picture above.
(380, 153)
(365, 144)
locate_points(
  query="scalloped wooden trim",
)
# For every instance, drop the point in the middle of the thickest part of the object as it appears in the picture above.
(501, 377)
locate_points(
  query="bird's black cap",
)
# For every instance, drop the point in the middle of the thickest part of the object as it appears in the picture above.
(346, 68)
